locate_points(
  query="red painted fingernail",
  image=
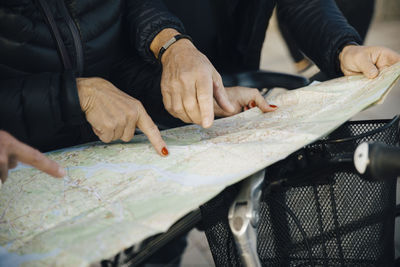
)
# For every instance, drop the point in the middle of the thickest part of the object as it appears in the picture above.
(273, 106)
(252, 104)
(164, 151)
(246, 108)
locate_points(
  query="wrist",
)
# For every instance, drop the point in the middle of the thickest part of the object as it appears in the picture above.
(345, 50)
(341, 52)
(84, 86)
(160, 39)
(178, 47)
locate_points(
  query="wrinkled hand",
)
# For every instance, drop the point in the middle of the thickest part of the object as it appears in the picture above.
(12, 151)
(367, 60)
(115, 115)
(190, 84)
(243, 98)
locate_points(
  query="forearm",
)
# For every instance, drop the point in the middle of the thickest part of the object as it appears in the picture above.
(146, 19)
(178, 47)
(319, 29)
(161, 38)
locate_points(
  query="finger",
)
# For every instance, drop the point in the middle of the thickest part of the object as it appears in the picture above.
(347, 72)
(129, 130)
(107, 130)
(3, 166)
(191, 107)
(178, 109)
(33, 157)
(220, 94)
(167, 100)
(387, 58)
(367, 67)
(12, 162)
(118, 131)
(106, 137)
(96, 131)
(204, 91)
(103, 136)
(103, 125)
(146, 124)
(260, 102)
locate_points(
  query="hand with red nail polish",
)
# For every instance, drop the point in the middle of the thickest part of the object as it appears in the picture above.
(165, 151)
(114, 115)
(252, 104)
(244, 98)
(12, 151)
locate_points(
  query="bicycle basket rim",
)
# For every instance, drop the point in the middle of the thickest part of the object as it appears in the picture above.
(389, 123)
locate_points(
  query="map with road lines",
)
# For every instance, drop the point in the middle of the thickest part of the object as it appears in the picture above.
(117, 195)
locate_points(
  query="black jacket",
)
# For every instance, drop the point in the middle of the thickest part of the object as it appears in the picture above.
(38, 95)
(317, 25)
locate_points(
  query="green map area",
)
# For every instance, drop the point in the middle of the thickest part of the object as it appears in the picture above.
(117, 195)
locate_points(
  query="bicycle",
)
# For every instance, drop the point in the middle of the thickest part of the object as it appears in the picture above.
(260, 221)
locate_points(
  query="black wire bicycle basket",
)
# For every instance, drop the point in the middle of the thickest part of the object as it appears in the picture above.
(315, 209)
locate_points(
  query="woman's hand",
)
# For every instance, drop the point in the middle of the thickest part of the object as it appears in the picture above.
(243, 98)
(367, 60)
(189, 82)
(115, 115)
(12, 151)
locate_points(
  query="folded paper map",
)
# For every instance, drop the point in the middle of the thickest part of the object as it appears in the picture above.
(115, 196)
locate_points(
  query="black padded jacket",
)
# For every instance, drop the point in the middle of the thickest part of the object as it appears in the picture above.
(38, 96)
(318, 27)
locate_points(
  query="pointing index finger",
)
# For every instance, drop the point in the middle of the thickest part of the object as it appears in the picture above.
(204, 91)
(33, 157)
(150, 129)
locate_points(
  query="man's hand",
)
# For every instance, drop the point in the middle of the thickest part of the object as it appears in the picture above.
(367, 60)
(12, 151)
(244, 98)
(115, 115)
(189, 82)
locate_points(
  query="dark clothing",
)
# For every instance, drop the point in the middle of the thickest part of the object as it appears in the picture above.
(106, 38)
(318, 27)
(38, 96)
(357, 12)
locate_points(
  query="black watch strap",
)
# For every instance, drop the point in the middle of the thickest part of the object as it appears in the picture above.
(171, 42)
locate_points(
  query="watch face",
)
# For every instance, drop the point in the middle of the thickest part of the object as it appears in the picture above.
(361, 159)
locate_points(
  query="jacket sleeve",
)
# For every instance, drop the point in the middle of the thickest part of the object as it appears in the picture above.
(320, 30)
(145, 19)
(37, 108)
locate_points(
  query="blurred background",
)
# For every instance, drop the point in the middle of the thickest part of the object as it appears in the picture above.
(384, 30)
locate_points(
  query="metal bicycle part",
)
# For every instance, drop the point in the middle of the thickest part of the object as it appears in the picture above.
(379, 161)
(244, 216)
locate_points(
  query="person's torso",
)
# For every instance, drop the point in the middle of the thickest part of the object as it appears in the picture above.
(89, 29)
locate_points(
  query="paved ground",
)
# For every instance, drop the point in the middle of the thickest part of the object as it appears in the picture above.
(275, 57)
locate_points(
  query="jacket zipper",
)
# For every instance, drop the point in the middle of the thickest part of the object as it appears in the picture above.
(56, 34)
(76, 36)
